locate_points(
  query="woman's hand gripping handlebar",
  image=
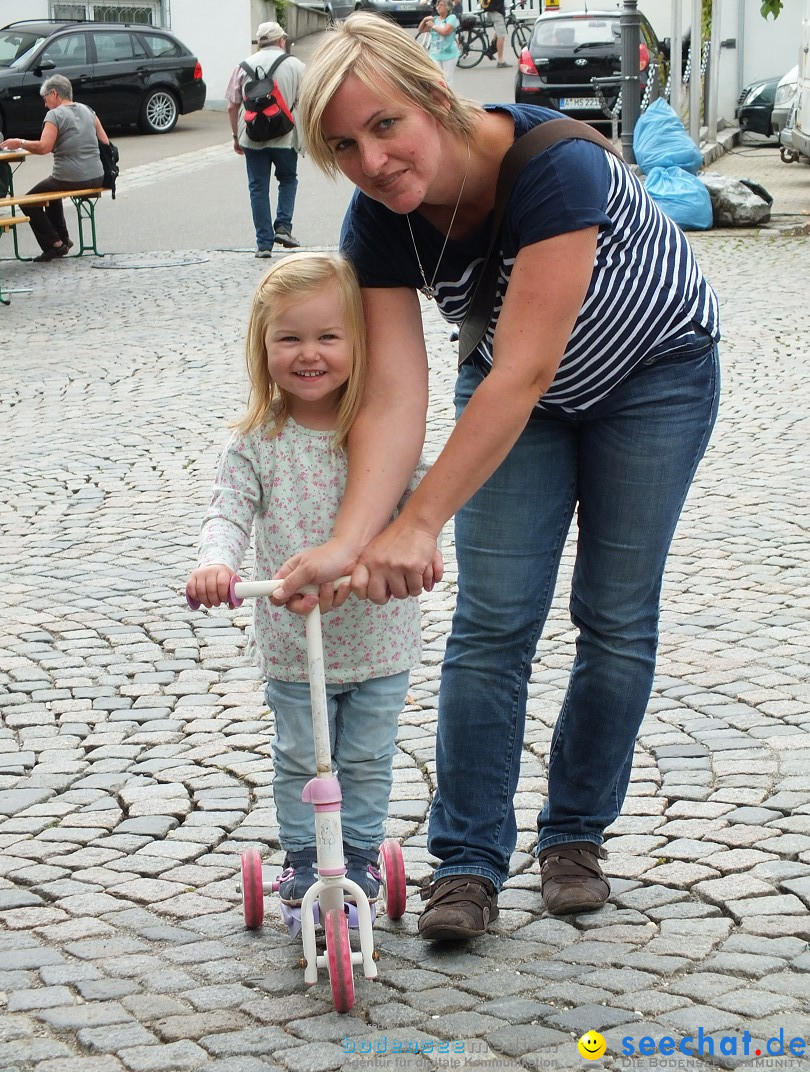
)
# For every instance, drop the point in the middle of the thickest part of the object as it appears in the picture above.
(239, 591)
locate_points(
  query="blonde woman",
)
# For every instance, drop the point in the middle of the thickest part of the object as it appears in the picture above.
(283, 474)
(592, 393)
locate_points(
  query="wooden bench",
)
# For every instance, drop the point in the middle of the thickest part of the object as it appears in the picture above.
(5, 223)
(84, 201)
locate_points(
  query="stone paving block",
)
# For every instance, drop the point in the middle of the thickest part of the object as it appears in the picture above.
(315, 1057)
(516, 1040)
(107, 1063)
(242, 1064)
(590, 1017)
(711, 1019)
(649, 1003)
(438, 1000)
(41, 998)
(257, 1040)
(780, 905)
(754, 1002)
(195, 1025)
(172, 1057)
(115, 1037)
(94, 1014)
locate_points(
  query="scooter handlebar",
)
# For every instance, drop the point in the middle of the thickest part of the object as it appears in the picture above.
(239, 590)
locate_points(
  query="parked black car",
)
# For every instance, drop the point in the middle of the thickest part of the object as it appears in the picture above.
(755, 104)
(566, 50)
(125, 73)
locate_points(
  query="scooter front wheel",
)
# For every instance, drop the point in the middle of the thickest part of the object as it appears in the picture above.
(339, 959)
(252, 889)
(392, 869)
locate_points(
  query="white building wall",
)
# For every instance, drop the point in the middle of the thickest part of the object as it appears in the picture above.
(14, 10)
(220, 34)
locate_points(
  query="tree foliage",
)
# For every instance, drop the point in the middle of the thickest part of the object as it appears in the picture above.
(771, 7)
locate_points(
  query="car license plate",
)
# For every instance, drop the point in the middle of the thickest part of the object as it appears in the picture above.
(577, 102)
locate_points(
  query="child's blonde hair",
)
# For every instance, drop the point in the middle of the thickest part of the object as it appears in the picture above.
(289, 281)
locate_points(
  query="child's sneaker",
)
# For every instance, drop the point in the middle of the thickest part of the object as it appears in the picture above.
(298, 875)
(361, 867)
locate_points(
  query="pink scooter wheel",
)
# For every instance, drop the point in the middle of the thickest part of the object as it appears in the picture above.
(392, 869)
(252, 891)
(339, 959)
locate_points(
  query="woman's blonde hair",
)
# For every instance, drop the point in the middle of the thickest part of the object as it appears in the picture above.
(290, 281)
(379, 53)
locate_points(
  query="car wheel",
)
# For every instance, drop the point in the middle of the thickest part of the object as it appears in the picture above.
(158, 112)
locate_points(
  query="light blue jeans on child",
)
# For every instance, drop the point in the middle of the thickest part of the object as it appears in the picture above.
(363, 719)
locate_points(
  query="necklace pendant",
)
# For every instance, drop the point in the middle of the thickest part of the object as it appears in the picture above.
(428, 291)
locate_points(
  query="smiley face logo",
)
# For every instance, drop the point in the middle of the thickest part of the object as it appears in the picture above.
(592, 1046)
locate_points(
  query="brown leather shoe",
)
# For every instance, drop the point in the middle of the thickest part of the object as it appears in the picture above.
(458, 906)
(571, 879)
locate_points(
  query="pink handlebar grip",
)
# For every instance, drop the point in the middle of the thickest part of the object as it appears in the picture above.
(233, 599)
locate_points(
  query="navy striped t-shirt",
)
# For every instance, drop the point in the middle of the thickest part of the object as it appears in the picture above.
(647, 294)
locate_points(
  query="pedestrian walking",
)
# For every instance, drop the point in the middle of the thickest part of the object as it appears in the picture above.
(279, 154)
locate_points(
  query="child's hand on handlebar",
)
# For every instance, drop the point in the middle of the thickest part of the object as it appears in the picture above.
(209, 585)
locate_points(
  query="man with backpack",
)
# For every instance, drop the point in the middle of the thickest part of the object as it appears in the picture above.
(262, 94)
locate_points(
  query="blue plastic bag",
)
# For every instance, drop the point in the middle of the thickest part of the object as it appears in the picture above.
(682, 196)
(660, 140)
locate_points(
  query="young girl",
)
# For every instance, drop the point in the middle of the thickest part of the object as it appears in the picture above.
(284, 472)
(443, 47)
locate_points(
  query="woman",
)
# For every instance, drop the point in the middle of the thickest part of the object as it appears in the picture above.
(71, 131)
(443, 47)
(595, 388)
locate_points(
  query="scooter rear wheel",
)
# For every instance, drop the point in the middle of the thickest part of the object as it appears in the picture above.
(392, 869)
(339, 959)
(252, 889)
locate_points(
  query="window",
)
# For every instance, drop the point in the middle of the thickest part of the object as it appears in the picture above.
(113, 46)
(67, 51)
(161, 46)
(15, 44)
(147, 13)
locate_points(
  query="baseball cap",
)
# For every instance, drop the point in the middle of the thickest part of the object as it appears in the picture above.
(270, 32)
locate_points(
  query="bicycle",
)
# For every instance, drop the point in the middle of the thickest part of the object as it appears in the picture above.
(521, 32)
(473, 40)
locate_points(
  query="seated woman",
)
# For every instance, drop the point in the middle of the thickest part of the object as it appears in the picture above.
(71, 131)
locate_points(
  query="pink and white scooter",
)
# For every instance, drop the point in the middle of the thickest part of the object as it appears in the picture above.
(324, 902)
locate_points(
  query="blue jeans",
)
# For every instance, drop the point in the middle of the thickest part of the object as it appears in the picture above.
(627, 465)
(260, 164)
(363, 721)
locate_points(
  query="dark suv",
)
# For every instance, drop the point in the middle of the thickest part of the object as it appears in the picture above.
(567, 50)
(125, 73)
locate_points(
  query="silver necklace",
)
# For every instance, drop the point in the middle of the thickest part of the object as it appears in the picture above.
(428, 289)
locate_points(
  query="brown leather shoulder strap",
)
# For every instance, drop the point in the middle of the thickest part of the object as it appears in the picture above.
(526, 147)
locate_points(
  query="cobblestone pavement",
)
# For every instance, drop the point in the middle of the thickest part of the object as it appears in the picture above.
(135, 748)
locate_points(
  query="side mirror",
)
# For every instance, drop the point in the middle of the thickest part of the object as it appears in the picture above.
(45, 65)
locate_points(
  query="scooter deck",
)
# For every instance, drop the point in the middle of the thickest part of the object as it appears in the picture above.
(291, 914)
